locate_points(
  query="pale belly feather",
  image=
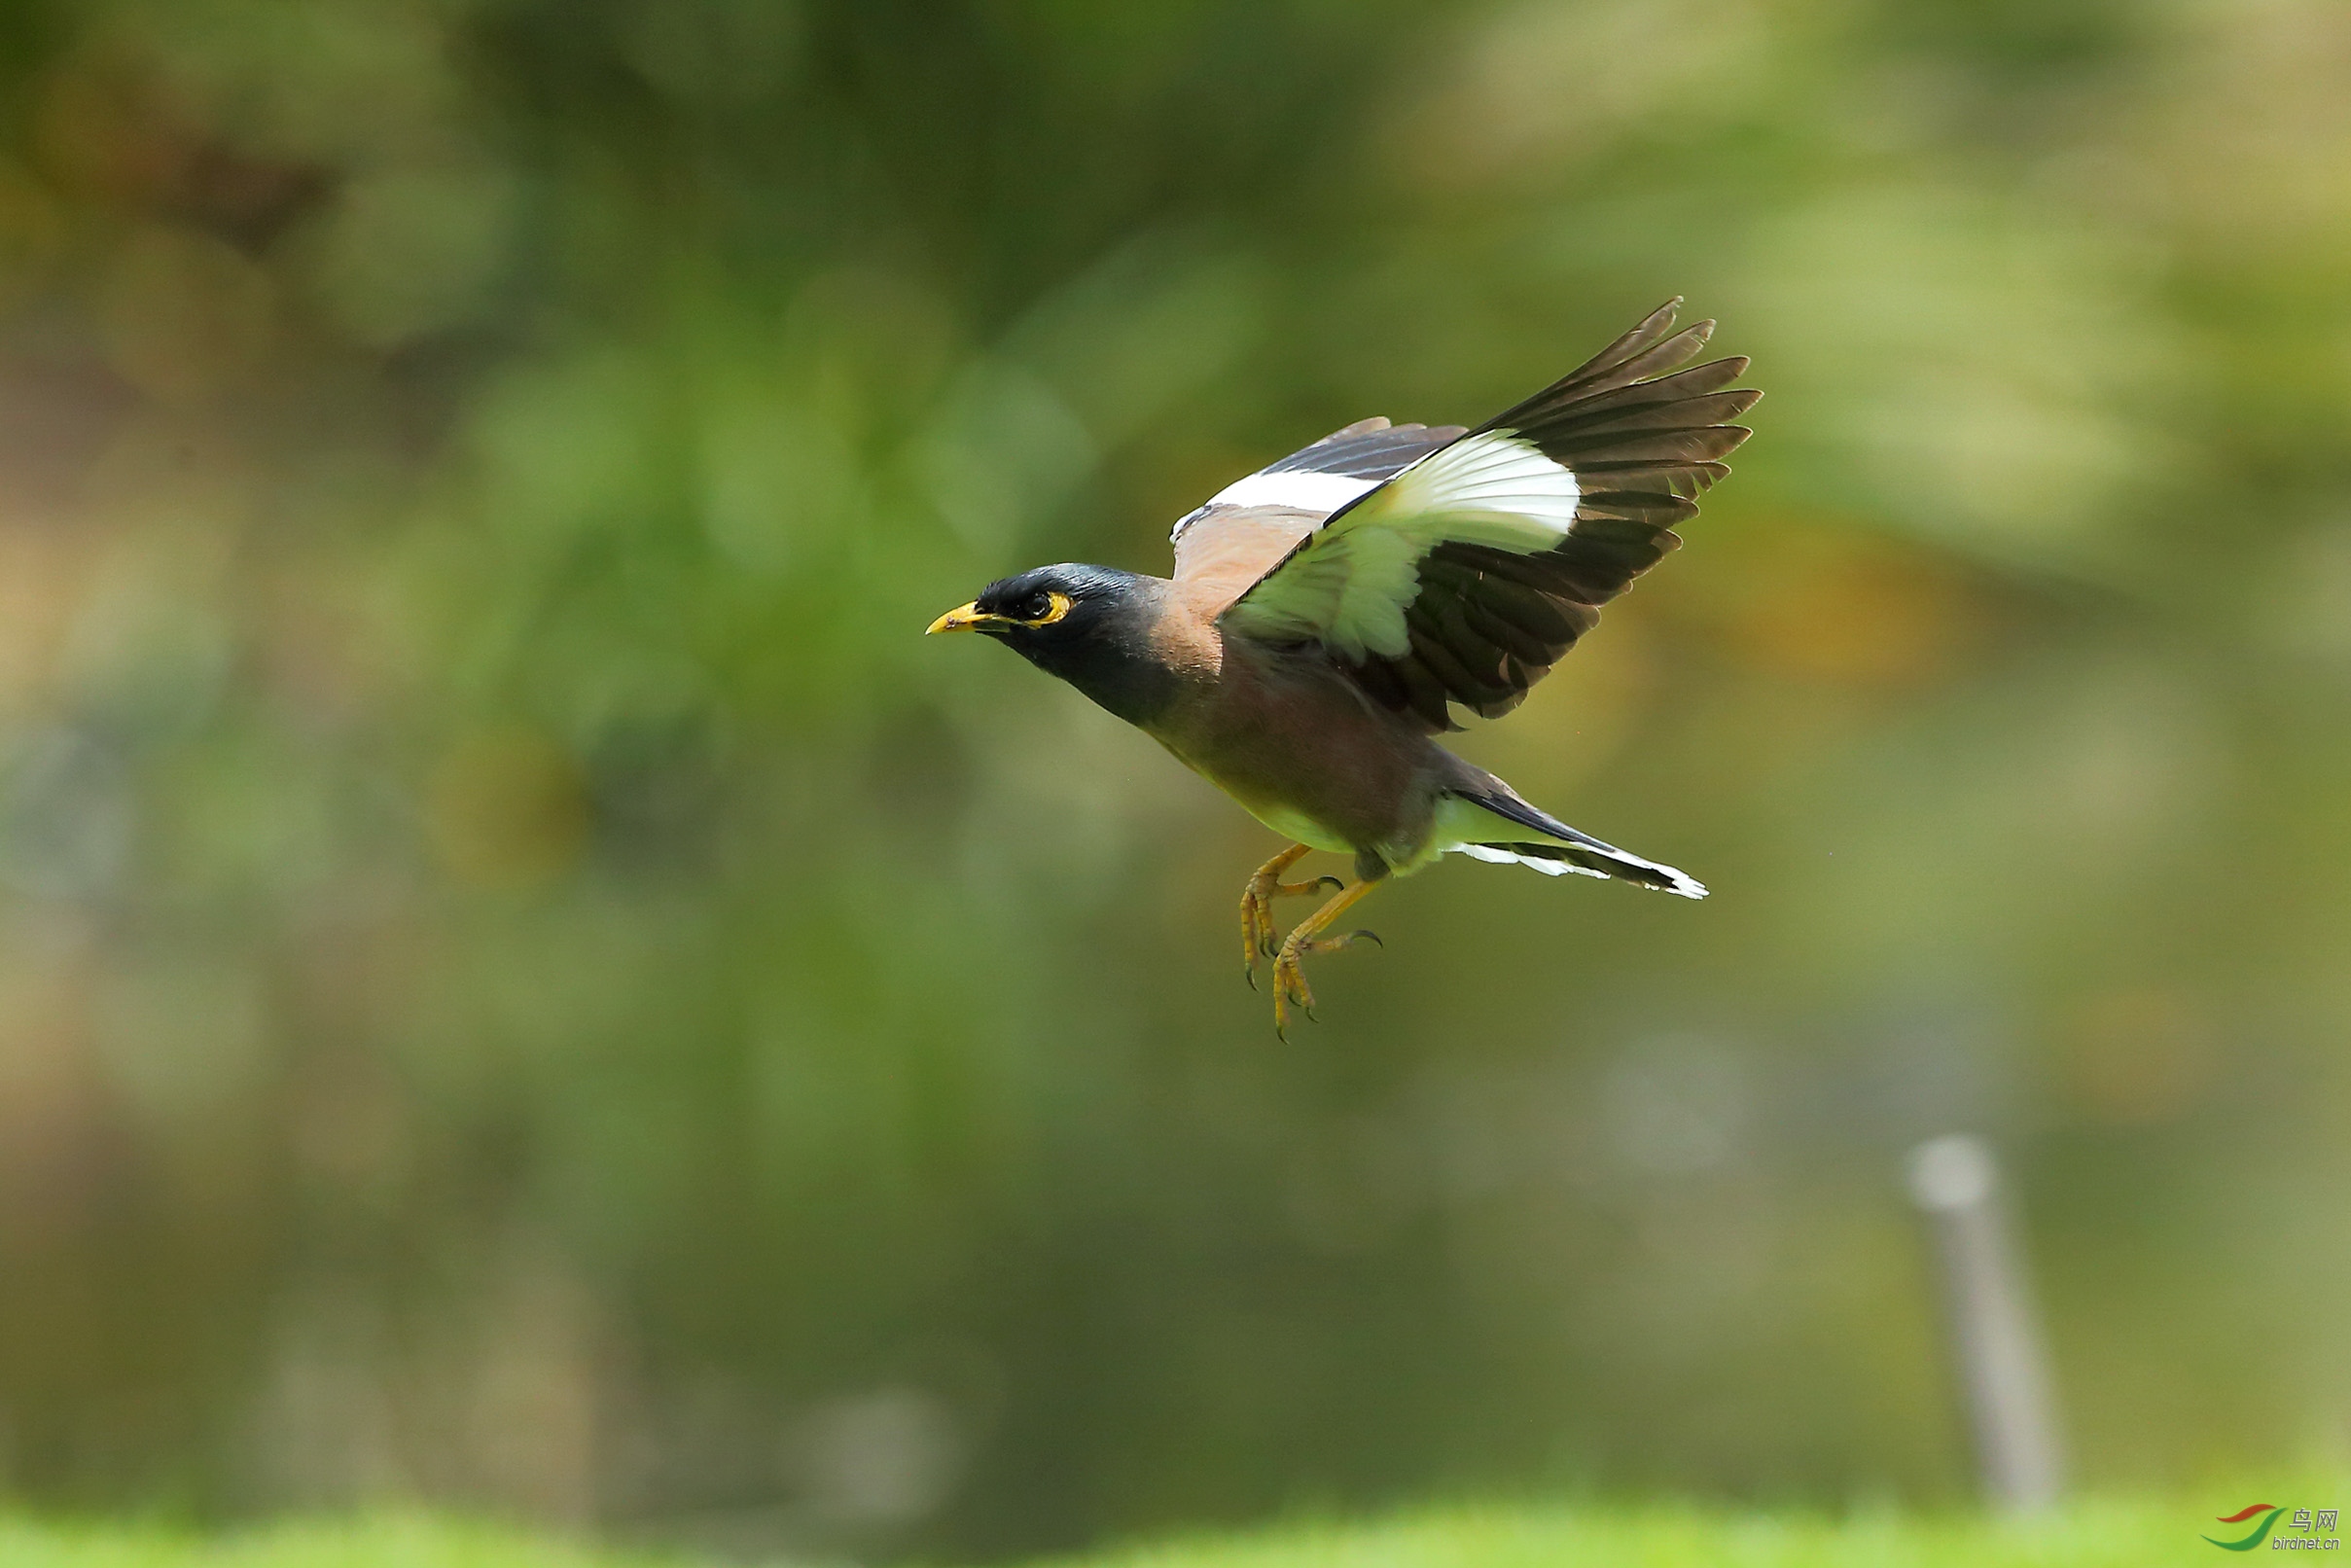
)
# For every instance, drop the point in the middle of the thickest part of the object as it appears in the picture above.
(1287, 820)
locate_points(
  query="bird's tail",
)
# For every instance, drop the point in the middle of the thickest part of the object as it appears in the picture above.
(1552, 846)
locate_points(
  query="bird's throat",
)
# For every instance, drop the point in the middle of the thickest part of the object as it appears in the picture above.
(1121, 678)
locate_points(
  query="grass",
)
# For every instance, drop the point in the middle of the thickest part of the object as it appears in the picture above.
(2101, 1535)
(399, 1541)
(2090, 1535)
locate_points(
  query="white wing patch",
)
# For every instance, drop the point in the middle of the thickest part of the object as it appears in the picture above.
(1348, 583)
(1498, 474)
(1323, 493)
(1308, 492)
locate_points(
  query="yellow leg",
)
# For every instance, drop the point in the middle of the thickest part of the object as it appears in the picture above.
(1290, 986)
(1256, 905)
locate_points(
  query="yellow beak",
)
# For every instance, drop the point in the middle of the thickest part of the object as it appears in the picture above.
(963, 618)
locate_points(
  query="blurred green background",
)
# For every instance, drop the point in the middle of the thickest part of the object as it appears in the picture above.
(526, 982)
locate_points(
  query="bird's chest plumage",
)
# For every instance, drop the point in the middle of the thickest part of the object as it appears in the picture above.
(1289, 739)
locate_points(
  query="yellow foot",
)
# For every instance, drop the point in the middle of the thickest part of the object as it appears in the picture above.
(1290, 987)
(1258, 929)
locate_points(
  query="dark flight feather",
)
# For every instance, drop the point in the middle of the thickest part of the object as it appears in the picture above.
(1372, 449)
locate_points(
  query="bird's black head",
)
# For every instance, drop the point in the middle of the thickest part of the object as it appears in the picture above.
(1044, 607)
(1089, 625)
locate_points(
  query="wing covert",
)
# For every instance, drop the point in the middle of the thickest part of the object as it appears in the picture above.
(1245, 530)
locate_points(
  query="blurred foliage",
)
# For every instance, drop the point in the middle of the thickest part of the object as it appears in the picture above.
(526, 982)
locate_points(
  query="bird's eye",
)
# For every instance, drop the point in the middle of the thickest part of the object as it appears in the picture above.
(1037, 607)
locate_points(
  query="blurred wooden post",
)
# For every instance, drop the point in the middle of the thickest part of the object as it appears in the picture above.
(1995, 1337)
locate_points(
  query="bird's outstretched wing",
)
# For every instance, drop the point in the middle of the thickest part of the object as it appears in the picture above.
(1468, 573)
(1250, 525)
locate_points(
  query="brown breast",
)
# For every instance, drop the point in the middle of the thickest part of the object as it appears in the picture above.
(1287, 735)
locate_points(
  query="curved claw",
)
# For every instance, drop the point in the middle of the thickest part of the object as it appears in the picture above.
(1372, 935)
(1249, 974)
(1332, 882)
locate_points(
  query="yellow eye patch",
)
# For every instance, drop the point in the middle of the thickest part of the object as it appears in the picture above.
(1060, 607)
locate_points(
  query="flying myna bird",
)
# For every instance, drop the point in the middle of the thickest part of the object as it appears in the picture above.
(1326, 610)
